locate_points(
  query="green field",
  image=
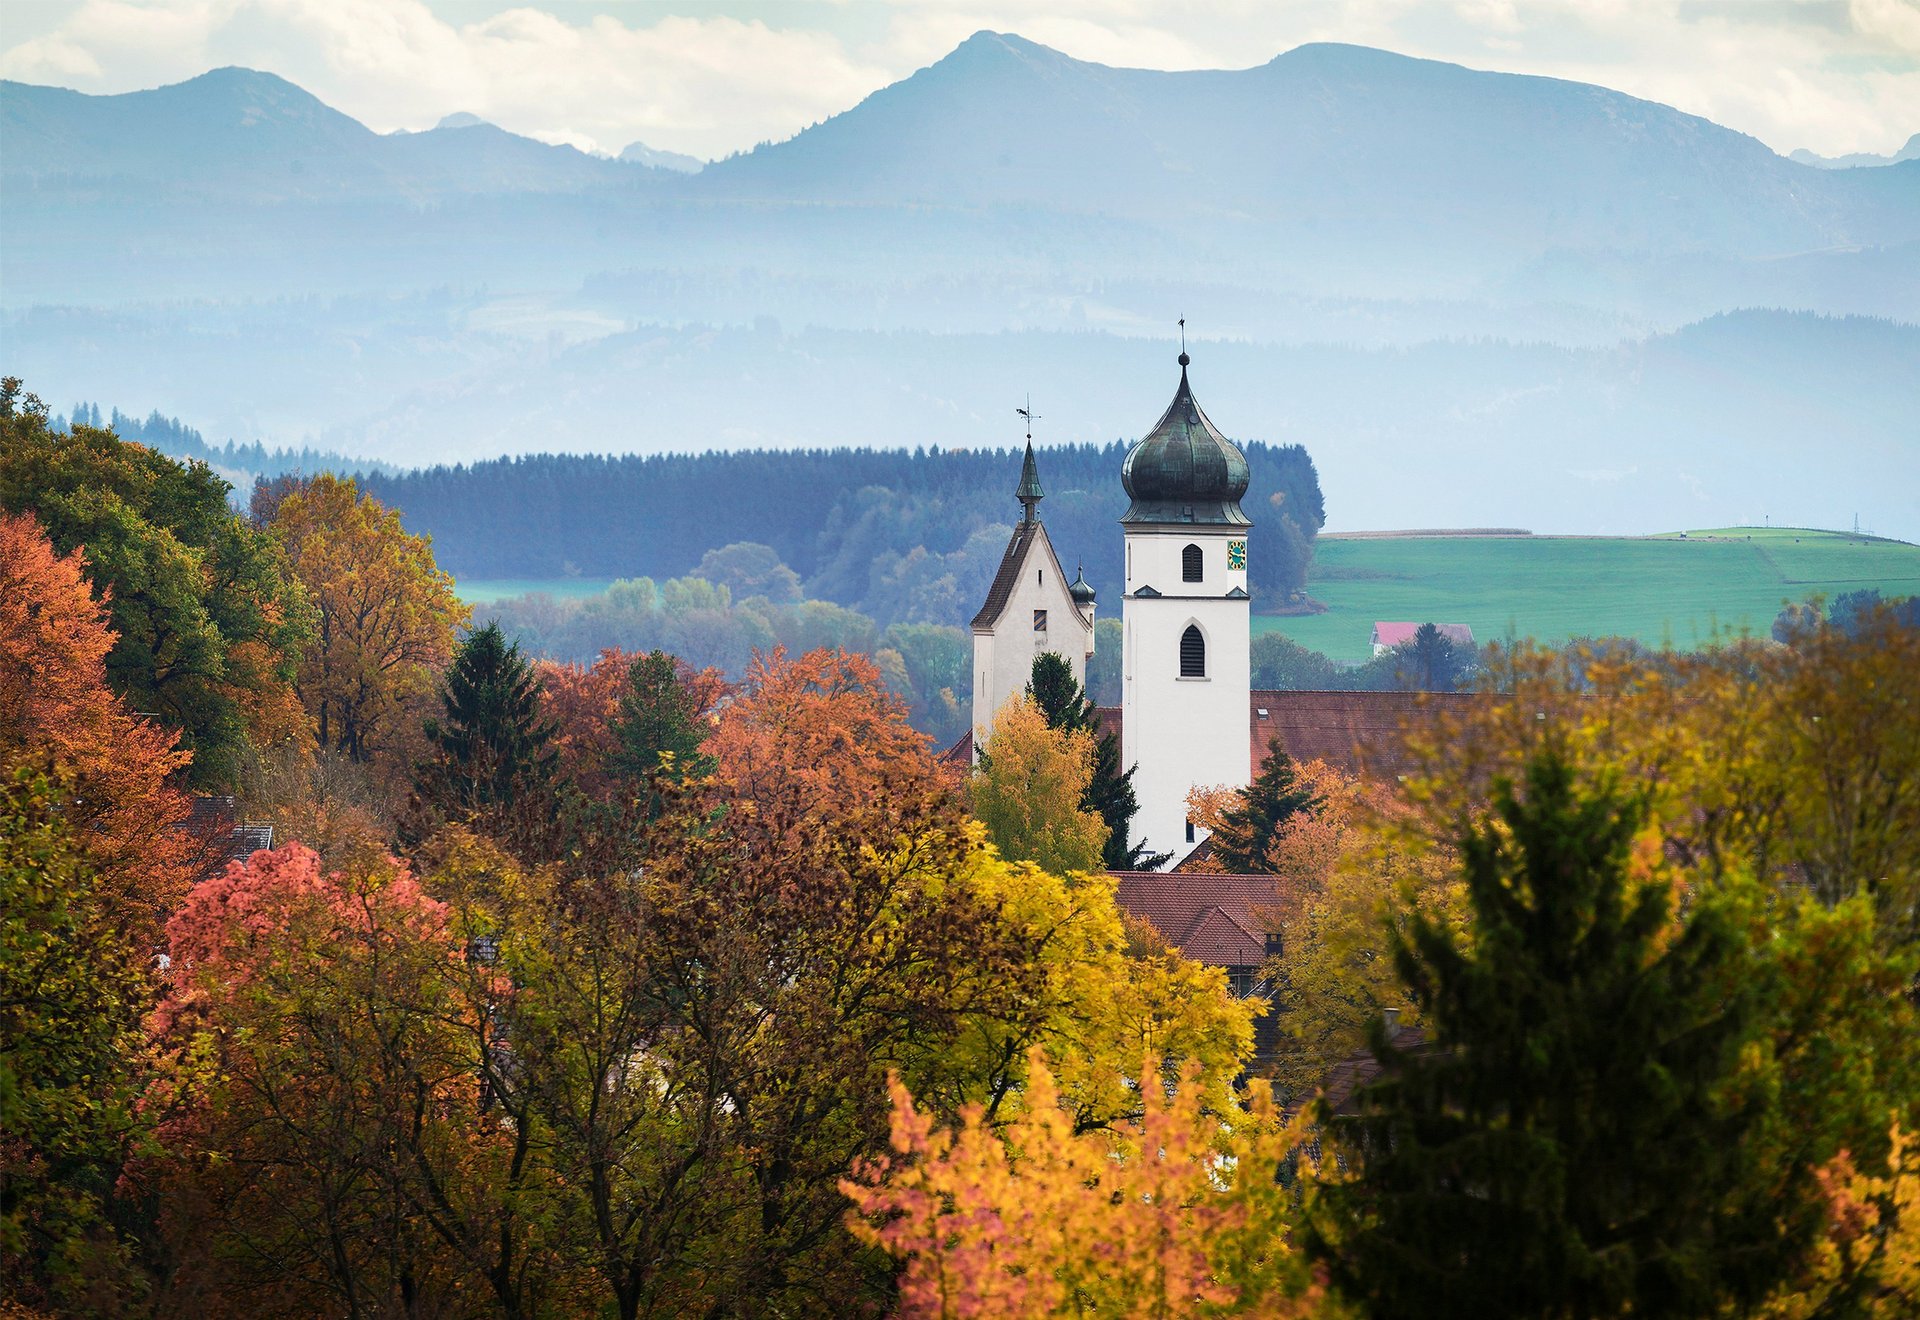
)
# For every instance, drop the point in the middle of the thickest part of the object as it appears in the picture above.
(485, 591)
(1678, 589)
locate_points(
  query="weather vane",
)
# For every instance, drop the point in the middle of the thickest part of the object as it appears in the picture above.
(1031, 416)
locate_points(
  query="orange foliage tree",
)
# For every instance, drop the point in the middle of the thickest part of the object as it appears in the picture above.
(1178, 1213)
(820, 731)
(56, 710)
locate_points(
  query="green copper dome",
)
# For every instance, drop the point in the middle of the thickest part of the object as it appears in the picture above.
(1184, 470)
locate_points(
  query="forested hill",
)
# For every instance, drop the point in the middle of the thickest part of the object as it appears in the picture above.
(898, 534)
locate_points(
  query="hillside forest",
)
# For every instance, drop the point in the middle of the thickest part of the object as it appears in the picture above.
(641, 989)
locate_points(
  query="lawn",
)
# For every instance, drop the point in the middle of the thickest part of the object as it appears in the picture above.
(485, 591)
(1678, 589)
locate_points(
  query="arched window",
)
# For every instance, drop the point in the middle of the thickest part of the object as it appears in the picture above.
(1190, 564)
(1193, 653)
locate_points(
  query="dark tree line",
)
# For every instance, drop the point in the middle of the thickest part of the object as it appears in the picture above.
(873, 529)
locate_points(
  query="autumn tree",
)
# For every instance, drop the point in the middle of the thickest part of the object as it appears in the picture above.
(1175, 1213)
(1571, 1142)
(207, 620)
(583, 701)
(72, 990)
(387, 617)
(326, 1145)
(1029, 788)
(706, 1036)
(1109, 792)
(57, 713)
(823, 730)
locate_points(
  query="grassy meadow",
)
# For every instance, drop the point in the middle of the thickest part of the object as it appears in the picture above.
(1680, 588)
(485, 591)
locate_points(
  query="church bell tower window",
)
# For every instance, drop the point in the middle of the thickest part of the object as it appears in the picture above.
(1190, 564)
(1193, 653)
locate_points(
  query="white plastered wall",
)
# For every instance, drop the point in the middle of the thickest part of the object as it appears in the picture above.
(1003, 655)
(1183, 732)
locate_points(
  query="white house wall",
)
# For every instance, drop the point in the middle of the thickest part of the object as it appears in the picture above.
(1003, 655)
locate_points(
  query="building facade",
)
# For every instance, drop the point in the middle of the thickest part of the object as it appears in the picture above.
(1185, 658)
(1030, 609)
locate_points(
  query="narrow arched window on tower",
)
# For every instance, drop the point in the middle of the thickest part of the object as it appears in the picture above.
(1190, 564)
(1193, 653)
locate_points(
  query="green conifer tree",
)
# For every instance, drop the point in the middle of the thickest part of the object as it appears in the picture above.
(658, 731)
(1110, 792)
(490, 747)
(1275, 796)
(1572, 1138)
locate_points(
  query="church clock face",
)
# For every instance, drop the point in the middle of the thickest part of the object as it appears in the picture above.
(1237, 555)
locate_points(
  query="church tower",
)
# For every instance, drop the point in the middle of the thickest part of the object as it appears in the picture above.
(1031, 608)
(1185, 659)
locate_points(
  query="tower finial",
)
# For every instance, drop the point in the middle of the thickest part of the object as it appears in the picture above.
(1184, 359)
(1029, 493)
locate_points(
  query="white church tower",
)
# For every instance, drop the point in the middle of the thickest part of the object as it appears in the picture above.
(1186, 655)
(1030, 609)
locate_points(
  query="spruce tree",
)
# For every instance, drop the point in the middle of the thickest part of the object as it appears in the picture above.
(490, 747)
(658, 729)
(1275, 796)
(1110, 792)
(1571, 1139)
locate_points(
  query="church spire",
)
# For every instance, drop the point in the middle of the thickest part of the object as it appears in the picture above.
(1029, 493)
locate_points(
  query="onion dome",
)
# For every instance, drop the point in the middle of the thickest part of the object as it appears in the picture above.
(1184, 470)
(1080, 589)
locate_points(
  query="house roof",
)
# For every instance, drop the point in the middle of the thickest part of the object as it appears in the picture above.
(1399, 634)
(1360, 1068)
(961, 753)
(1028, 536)
(1350, 731)
(1356, 732)
(219, 836)
(1211, 918)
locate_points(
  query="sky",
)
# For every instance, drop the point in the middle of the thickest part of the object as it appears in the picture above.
(712, 78)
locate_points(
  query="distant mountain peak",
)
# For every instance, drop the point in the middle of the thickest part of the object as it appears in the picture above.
(639, 153)
(463, 119)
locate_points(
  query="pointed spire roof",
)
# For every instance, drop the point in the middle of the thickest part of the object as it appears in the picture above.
(1029, 493)
(1184, 470)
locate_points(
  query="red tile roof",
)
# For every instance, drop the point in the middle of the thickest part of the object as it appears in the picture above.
(1350, 731)
(1357, 732)
(1211, 918)
(1360, 1068)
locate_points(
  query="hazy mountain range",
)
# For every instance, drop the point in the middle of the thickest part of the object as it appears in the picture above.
(1406, 265)
(1853, 159)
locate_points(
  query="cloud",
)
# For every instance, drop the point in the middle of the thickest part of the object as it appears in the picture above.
(701, 85)
(1834, 75)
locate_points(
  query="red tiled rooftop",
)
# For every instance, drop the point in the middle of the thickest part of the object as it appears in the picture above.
(1210, 917)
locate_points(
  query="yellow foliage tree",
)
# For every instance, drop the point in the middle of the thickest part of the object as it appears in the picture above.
(388, 616)
(1177, 1213)
(1868, 1262)
(1097, 1001)
(1031, 782)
